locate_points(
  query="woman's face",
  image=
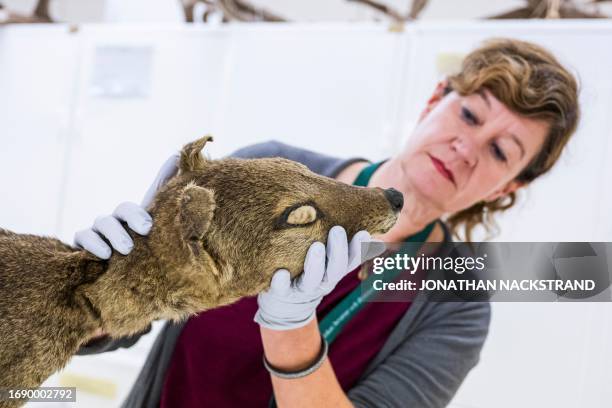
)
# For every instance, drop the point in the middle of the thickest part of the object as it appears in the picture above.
(468, 148)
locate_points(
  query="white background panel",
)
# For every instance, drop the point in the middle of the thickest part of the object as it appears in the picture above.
(318, 87)
(35, 105)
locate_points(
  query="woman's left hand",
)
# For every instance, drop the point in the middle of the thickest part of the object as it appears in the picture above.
(292, 304)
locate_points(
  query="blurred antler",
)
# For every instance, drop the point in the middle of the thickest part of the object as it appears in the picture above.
(42, 11)
(244, 11)
(39, 15)
(415, 9)
(188, 6)
(552, 9)
(383, 8)
(232, 10)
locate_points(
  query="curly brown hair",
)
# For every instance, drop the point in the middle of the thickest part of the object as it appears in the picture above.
(530, 81)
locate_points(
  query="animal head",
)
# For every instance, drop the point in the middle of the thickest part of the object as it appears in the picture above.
(249, 217)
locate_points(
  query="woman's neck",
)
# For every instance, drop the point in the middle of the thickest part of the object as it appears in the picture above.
(415, 215)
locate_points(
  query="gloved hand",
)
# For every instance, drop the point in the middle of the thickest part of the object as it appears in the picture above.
(137, 218)
(291, 304)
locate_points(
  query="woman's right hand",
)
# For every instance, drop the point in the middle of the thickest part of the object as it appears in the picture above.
(136, 217)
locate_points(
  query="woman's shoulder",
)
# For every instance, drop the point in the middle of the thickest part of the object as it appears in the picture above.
(270, 148)
(317, 162)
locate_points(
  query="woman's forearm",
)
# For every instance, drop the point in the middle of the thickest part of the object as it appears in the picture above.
(293, 350)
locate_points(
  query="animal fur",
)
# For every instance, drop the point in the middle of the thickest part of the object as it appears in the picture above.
(221, 228)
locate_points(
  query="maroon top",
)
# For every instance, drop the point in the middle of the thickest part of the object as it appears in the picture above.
(217, 359)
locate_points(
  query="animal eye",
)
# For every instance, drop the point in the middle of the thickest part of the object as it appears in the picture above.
(299, 215)
(468, 116)
(302, 215)
(498, 153)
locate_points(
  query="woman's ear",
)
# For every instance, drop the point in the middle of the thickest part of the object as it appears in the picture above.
(435, 97)
(510, 187)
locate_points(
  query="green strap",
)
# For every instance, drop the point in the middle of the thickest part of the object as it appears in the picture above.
(333, 323)
(364, 176)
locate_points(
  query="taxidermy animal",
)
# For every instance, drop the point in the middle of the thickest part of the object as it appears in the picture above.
(221, 228)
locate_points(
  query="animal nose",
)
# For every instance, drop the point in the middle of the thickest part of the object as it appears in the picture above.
(395, 198)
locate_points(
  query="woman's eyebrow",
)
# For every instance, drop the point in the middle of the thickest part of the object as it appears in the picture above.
(484, 97)
(518, 142)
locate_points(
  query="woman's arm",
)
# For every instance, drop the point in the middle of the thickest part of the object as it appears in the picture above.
(439, 349)
(424, 371)
(294, 350)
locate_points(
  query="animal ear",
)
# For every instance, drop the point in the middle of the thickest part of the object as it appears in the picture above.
(191, 159)
(304, 214)
(196, 209)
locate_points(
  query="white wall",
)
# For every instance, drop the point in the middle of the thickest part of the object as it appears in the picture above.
(69, 154)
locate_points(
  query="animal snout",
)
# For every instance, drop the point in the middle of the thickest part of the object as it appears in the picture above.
(395, 198)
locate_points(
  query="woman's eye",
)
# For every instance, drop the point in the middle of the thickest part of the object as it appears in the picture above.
(468, 116)
(498, 153)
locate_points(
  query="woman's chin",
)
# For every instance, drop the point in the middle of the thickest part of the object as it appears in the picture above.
(430, 189)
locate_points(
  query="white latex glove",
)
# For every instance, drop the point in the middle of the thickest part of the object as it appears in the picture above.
(289, 305)
(136, 217)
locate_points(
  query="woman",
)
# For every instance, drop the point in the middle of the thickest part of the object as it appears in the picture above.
(486, 132)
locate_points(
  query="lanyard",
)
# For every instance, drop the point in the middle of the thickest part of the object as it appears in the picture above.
(333, 323)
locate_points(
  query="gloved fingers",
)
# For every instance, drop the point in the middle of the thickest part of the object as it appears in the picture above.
(314, 268)
(281, 283)
(337, 256)
(91, 242)
(112, 230)
(355, 248)
(362, 248)
(136, 217)
(166, 172)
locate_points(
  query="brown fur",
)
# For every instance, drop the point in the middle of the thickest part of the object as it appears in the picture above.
(220, 231)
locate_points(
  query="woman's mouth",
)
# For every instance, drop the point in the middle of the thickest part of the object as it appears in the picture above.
(439, 165)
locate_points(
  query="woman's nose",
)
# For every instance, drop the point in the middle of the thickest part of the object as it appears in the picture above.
(466, 150)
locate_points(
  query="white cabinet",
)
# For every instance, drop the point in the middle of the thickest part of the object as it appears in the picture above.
(324, 87)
